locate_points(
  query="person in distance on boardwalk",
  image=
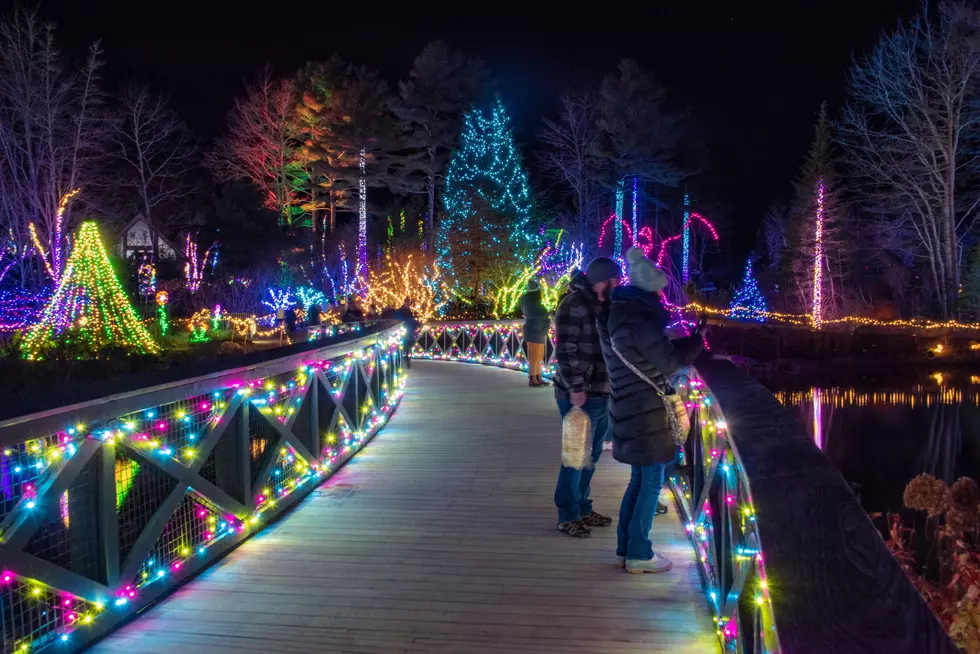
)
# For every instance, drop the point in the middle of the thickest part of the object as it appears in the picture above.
(640, 356)
(404, 313)
(582, 381)
(537, 324)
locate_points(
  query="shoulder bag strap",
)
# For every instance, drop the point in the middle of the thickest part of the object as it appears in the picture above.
(635, 370)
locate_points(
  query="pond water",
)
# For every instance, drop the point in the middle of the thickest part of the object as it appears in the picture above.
(881, 437)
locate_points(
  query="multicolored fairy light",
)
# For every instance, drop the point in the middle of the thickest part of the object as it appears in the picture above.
(816, 312)
(163, 313)
(686, 247)
(193, 267)
(643, 240)
(636, 214)
(89, 307)
(362, 254)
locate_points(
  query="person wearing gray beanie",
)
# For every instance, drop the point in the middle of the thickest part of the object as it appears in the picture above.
(582, 381)
(641, 361)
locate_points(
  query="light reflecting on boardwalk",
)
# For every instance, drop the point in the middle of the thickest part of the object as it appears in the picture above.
(440, 537)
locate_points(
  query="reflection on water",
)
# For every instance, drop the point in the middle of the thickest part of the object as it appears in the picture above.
(881, 438)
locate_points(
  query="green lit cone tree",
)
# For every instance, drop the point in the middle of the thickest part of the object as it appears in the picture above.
(89, 312)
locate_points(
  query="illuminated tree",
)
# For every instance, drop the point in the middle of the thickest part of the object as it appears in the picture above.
(89, 310)
(814, 262)
(487, 200)
(52, 140)
(440, 87)
(406, 275)
(261, 146)
(748, 303)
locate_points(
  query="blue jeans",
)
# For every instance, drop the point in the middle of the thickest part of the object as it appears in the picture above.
(572, 492)
(637, 511)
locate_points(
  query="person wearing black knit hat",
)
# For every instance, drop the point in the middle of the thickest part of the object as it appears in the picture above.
(581, 380)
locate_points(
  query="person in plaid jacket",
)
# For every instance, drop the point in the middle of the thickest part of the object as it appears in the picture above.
(582, 381)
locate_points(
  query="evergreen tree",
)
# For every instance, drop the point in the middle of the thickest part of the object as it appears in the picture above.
(748, 303)
(441, 86)
(89, 310)
(798, 261)
(487, 200)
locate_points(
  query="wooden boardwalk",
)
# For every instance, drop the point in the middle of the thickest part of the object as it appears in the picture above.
(440, 537)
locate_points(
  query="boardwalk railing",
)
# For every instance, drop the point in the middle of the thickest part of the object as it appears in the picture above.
(790, 561)
(106, 505)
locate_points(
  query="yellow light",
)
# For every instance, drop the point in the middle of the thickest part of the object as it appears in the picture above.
(35, 591)
(763, 585)
(184, 551)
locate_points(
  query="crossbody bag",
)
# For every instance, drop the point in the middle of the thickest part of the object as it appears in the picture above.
(678, 421)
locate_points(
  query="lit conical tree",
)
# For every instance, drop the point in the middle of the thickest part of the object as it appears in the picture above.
(487, 200)
(748, 303)
(89, 309)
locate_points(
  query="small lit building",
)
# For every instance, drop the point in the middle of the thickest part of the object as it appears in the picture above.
(134, 241)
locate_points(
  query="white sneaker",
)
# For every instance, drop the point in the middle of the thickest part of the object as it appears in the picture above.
(607, 445)
(620, 561)
(659, 563)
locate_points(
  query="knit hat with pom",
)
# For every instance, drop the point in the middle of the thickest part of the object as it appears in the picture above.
(643, 273)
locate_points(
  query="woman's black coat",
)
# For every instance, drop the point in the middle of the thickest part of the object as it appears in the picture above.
(636, 324)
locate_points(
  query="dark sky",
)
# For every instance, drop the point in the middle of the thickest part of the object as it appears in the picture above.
(752, 73)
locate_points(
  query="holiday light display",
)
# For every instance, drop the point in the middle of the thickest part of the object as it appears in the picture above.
(486, 190)
(404, 277)
(636, 213)
(748, 303)
(553, 269)
(163, 312)
(194, 267)
(146, 277)
(618, 225)
(643, 239)
(362, 257)
(198, 325)
(20, 308)
(686, 246)
(88, 308)
(309, 296)
(817, 310)
(690, 218)
(280, 299)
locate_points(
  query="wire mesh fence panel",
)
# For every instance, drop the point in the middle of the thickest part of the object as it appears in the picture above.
(196, 525)
(140, 490)
(157, 494)
(34, 616)
(26, 466)
(174, 429)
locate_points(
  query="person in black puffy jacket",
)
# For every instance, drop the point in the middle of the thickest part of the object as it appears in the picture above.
(633, 334)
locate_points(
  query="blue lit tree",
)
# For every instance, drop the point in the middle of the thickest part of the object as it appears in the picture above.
(748, 303)
(487, 219)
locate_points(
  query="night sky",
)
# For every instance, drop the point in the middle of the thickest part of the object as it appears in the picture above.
(752, 77)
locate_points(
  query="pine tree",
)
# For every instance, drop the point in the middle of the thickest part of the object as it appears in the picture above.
(89, 309)
(487, 200)
(748, 303)
(798, 264)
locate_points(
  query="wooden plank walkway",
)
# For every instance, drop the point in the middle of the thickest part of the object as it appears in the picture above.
(440, 537)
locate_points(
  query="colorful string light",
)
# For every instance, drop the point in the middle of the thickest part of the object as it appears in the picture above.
(485, 170)
(748, 303)
(362, 256)
(686, 247)
(817, 311)
(89, 307)
(690, 217)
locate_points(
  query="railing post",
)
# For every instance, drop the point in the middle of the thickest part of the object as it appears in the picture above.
(108, 518)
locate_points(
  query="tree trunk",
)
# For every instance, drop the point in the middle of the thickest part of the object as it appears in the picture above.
(430, 215)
